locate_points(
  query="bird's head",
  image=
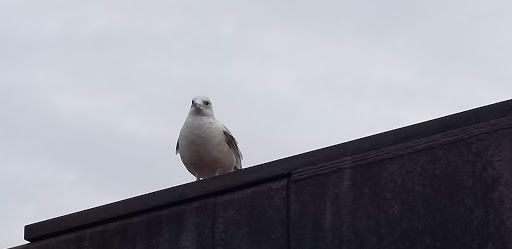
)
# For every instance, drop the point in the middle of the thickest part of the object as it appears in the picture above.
(201, 106)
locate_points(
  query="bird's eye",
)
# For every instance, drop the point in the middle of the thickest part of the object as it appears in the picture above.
(207, 102)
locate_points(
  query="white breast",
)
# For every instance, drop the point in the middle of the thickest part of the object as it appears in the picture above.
(203, 148)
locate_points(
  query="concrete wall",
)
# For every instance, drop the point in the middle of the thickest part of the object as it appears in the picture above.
(446, 183)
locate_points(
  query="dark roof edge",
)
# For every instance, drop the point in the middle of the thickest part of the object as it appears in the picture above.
(261, 173)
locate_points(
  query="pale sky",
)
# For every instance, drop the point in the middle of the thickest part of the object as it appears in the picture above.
(93, 93)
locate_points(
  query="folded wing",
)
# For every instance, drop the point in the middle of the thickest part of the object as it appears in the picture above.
(233, 144)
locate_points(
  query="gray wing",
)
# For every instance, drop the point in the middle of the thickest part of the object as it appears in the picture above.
(177, 146)
(233, 144)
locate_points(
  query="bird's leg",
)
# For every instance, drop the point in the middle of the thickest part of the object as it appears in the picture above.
(217, 172)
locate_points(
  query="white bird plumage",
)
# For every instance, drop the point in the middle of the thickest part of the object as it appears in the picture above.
(206, 147)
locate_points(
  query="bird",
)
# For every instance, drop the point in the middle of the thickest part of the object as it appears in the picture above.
(207, 148)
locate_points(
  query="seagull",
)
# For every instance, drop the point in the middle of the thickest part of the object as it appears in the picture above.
(206, 147)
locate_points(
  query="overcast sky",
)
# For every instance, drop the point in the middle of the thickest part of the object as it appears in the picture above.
(93, 93)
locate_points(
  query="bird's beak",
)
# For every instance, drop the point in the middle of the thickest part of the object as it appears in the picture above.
(194, 104)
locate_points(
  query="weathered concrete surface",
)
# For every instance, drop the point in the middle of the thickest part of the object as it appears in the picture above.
(184, 226)
(446, 183)
(253, 218)
(456, 195)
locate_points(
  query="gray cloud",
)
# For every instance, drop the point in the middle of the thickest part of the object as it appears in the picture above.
(93, 94)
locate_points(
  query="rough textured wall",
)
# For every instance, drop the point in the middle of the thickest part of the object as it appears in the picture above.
(453, 195)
